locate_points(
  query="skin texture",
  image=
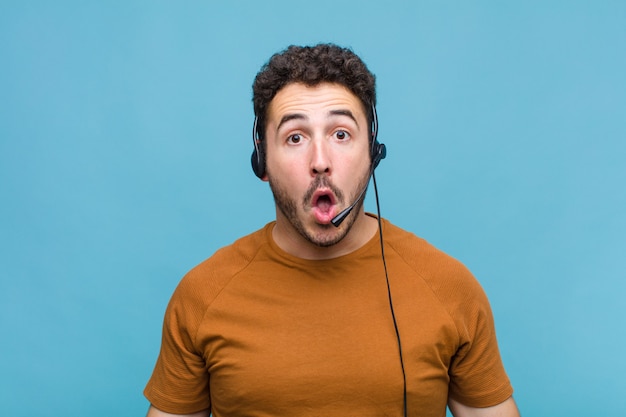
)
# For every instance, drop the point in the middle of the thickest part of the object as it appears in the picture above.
(155, 412)
(507, 408)
(317, 144)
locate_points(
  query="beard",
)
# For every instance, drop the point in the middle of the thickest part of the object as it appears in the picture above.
(322, 236)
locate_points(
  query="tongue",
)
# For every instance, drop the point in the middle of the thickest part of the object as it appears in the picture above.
(323, 204)
(323, 210)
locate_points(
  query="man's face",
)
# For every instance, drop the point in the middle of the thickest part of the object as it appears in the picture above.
(317, 152)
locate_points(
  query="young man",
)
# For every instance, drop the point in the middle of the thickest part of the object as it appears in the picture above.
(306, 318)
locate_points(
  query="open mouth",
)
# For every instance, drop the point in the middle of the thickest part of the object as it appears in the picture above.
(323, 203)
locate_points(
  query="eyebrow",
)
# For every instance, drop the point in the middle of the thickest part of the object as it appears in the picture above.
(300, 116)
(341, 112)
(291, 116)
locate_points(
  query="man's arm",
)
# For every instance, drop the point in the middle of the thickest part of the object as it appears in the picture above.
(504, 409)
(155, 412)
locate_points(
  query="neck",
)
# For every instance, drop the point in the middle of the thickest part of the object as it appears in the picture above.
(291, 241)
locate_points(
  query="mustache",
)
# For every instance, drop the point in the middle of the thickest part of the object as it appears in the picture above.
(322, 182)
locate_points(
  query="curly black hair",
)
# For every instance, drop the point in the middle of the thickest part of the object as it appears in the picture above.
(312, 65)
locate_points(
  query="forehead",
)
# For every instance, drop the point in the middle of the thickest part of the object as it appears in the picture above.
(302, 98)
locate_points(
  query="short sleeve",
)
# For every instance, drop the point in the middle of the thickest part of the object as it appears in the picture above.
(477, 375)
(180, 380)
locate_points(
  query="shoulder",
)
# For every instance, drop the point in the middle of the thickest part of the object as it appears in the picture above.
(423, 257)
(448, 278)
(203, 283)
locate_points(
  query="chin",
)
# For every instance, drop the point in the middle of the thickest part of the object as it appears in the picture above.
(326, 241)
(325, 235)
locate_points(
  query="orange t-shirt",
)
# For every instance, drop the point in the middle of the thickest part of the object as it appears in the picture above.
(254, 331)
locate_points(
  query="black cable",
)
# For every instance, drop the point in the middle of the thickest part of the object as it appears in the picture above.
(393, 314)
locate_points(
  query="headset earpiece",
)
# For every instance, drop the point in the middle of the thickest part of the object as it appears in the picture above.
(378, 152)
(258, 155)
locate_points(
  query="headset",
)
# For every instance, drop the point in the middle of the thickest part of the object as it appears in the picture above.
(378, 152)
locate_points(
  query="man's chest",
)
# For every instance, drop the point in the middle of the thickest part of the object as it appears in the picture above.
(321, 353)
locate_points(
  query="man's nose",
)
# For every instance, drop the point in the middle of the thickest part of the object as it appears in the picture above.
(320, 157)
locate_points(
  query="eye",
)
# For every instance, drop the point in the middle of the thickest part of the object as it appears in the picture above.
(294, 139)
(342, 135)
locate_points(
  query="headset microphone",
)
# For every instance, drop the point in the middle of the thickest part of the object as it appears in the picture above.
(378, 154)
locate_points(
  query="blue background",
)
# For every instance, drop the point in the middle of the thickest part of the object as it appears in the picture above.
(125, 137)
